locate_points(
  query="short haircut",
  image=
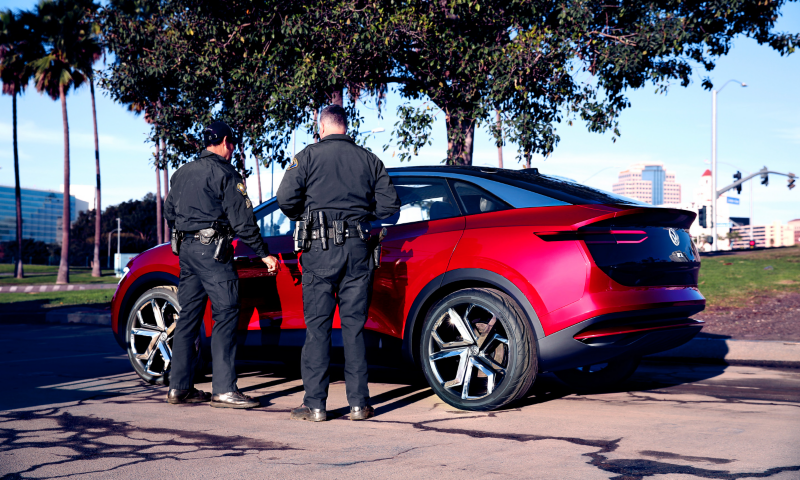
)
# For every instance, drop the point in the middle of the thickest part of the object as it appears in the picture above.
(334, 115)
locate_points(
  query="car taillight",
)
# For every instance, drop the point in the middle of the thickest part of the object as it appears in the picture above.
(638, 255)
(596, 236)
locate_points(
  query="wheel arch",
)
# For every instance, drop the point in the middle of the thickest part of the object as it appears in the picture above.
(135, 290)
(450, 282)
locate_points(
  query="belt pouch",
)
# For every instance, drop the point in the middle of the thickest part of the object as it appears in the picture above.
(338, 232)
(207, 236)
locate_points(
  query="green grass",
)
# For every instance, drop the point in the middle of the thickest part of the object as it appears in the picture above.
(9, 268)
(43, 274)
(730, 280)
(60, 298)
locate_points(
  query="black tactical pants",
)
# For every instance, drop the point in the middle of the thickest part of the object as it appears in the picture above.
(202, 278)
(343, 275)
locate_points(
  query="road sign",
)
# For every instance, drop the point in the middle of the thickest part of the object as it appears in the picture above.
(733, 200)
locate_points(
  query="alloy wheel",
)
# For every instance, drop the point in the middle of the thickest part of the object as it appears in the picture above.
(151, 336)
(468, 351)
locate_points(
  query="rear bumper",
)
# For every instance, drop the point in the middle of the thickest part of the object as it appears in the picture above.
(632, 333)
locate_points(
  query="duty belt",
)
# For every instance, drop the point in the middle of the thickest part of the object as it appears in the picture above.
(349, 232)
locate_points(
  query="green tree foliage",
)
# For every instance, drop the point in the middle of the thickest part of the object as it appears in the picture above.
(36, 252)
(266, 65)
(138, 229)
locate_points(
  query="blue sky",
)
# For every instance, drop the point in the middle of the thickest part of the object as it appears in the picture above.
(757, 126)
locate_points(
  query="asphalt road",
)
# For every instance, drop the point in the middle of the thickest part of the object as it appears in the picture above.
(73, 408)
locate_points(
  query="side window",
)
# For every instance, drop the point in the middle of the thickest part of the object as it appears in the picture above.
(422, 199)
(477, 200)
(272, 222)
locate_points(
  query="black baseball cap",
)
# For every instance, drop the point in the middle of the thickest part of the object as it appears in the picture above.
(215, 132)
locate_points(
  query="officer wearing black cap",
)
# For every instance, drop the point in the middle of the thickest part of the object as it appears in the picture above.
(208, 204)
(336, 186)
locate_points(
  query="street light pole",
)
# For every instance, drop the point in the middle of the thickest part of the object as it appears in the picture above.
(119, 230)
(715, 242)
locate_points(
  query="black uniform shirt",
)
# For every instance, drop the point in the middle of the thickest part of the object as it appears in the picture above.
(209, 189)
(337, 176)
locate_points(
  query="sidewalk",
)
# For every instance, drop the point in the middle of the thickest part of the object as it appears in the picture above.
(709, 347)
(57, 288)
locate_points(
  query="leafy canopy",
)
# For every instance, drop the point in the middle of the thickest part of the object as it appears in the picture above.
(267, 65)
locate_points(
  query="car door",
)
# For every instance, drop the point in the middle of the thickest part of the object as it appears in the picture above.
(270, 303)
(420, 239)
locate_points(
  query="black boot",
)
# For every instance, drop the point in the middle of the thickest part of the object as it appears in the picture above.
(191, 395)
(361, 413)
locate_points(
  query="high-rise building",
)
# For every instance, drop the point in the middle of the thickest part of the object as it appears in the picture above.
(649, 183)
(41, 214)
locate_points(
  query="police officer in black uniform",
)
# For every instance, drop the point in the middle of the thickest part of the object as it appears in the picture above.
(208, 204)
(337, 182)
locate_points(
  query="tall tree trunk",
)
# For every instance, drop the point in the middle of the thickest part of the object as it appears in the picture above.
(316, 127)
(242, 167)
(460, 138)
(258, 179)
(63, 267)
(500, 143)
(166, 184)
(159, 220)
(97, 207)
(337, 98)
(19, 273)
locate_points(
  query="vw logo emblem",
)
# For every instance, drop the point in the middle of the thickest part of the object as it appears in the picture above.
(673, 235)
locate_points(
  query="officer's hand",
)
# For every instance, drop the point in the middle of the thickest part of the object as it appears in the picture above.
(271, 263)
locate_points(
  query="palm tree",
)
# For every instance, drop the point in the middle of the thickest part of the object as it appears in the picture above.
(18, 46)
(72, 48)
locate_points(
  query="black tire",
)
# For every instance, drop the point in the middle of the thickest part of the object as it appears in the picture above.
(601, 375)
(142, 319)
(499, 359)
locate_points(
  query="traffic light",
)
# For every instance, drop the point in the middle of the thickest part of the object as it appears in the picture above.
(701, 217)
(752, 244)
(764, 176)
(791, 180)
(736, 177)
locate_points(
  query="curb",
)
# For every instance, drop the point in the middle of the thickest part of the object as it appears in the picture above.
(735, 351)
(56, 288)
(85, 317)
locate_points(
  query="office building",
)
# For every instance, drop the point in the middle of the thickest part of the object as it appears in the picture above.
(41, 214)
(649, 183)
(795, 224)
(775, 235)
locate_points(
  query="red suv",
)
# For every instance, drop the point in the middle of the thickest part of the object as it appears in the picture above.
(488, 277)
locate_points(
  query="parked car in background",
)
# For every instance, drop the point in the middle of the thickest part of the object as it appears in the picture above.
(488, 277)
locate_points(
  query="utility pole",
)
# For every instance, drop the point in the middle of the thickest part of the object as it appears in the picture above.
(119, 231)
(715, 243)
(499, 147)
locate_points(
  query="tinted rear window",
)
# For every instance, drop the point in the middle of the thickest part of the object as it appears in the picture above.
(559, 189)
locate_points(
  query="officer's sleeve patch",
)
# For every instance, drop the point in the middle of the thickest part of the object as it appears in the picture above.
(242, 189)
(247, 202)
(293, 164)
